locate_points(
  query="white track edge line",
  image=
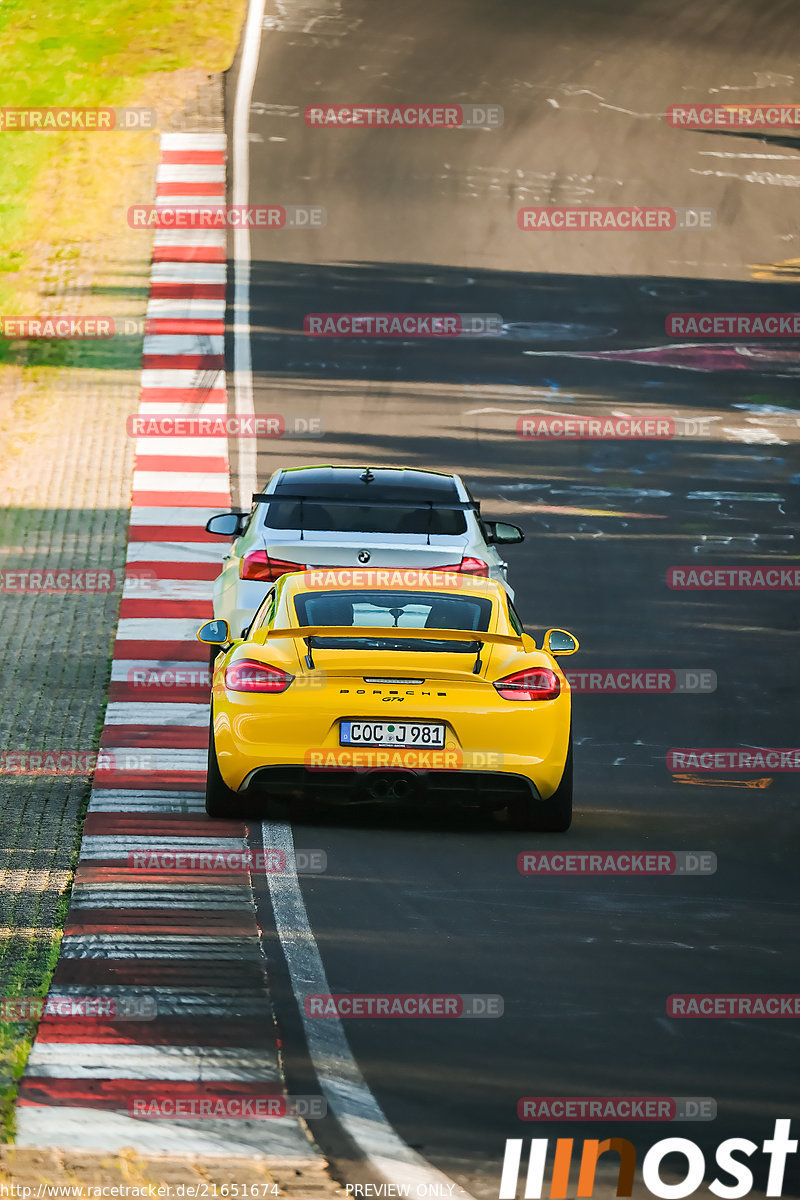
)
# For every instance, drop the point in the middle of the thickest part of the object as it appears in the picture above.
(242, 358)
(340, 1079)
(345, 1088)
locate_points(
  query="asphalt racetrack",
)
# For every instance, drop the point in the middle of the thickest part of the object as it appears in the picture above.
(425, 221)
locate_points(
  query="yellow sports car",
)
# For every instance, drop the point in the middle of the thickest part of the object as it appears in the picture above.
(387, 685)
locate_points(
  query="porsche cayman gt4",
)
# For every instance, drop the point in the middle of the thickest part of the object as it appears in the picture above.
(387, 685)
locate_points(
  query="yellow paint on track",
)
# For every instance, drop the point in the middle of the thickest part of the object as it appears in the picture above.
(788, 269)
(705, 781)
(568, 510)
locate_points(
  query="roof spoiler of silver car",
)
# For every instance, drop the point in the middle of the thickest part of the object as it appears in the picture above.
(265, 497)
(366, 500)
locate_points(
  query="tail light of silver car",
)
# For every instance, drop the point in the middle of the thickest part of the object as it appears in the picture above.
(258, 565)
(468, 566)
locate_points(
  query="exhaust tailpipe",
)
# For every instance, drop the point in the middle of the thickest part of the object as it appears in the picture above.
(389, 787)
(379, 787)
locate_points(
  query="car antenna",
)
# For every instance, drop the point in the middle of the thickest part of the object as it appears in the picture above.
(367, 476)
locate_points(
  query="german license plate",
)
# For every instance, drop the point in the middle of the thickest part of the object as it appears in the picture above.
(392, 733)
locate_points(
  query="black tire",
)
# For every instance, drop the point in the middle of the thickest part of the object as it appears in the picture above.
(547, 816)
(221, 801)
(300, 810)
(213, 651)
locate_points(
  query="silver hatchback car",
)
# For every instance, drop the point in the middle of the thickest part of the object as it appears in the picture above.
(310, 517)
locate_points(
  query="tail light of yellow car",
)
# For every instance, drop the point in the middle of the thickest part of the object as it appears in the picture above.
(247, 675)
(538, 684)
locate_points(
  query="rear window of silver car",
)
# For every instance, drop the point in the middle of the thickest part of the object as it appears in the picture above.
(322, 516)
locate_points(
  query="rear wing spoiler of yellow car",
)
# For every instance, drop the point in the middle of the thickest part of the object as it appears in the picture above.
(391, 632)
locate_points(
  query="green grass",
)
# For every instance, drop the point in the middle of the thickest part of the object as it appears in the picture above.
(56, 53)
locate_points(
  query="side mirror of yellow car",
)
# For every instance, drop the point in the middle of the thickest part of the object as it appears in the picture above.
(559, 641)
(214, 633)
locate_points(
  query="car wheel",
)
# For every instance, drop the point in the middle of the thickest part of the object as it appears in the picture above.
(221, 801)
(213, 651)
(548, 816)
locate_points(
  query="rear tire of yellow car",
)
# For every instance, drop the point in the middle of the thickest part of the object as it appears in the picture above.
(547, 816)
(299, 810)
(221, 801)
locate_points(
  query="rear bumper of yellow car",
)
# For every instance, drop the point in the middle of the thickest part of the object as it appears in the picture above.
(493, 747)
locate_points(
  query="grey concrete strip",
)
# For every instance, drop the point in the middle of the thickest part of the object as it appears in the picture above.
(64, 1126)
(136, 895)
(153, 945)
(139, 712)
(112, 1061)
(120, 846)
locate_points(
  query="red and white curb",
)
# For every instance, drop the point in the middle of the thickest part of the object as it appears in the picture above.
(189, 942)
